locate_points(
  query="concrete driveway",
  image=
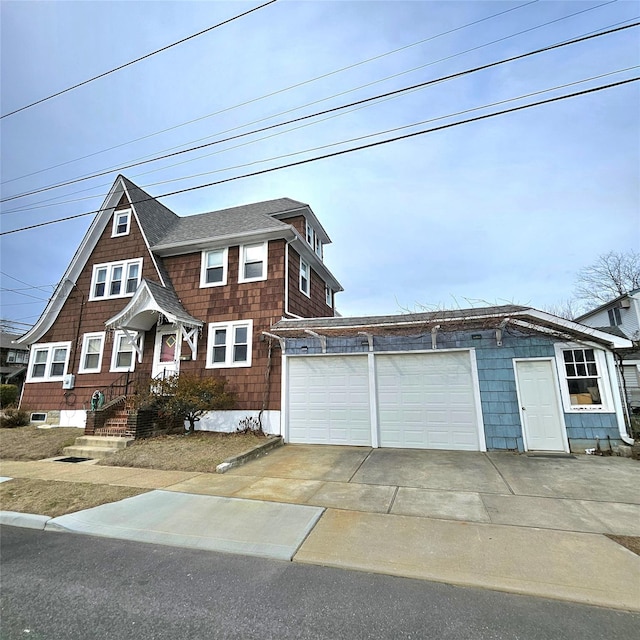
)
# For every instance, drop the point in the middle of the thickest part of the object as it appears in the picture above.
(574, 493)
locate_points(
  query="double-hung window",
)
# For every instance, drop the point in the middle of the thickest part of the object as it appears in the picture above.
(229, 344)
(214, 268)
(121, 223)
(585, 387)
(305, 279)
(123, 357)
(615, 318)
(328, 295)
(253, 262)
(115, 279)
(49, 362)
(91, 355)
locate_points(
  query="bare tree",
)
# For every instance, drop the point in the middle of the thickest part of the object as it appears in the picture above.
(568, 309)
(611, 275)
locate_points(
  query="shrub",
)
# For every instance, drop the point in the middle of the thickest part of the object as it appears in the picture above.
(14, 418)
(8, 394)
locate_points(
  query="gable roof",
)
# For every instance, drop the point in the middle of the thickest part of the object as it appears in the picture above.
(235, 221)
(149, 300)
(630, 294)
(495, 316)
(164, 233)
(154, 218)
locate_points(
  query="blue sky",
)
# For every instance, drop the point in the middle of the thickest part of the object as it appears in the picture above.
(501, 210)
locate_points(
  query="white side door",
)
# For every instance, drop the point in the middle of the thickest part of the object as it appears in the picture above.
(166, 353)
(542, 419)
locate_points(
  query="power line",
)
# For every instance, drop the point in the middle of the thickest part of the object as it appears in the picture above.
(339, 153)
(294, 86)
(114, 168)
(128, 64)
(415, 124)
(6, 275)
(419, 85)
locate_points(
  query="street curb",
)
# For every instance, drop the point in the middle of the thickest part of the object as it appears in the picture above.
(24, 520)
(272, 442)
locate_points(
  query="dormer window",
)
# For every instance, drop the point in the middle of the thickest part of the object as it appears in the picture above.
(121, 223)
(309, 234)
(328, 295)
(318, 246)
(615, 318)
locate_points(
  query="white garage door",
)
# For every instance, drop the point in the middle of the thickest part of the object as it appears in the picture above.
(426, 401)
(329, 400)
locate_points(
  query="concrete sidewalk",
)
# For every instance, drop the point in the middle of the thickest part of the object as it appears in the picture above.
(337, 513)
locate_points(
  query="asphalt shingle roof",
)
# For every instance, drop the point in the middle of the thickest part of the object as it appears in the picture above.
(167, 300)
(155, 218)
(228, 222)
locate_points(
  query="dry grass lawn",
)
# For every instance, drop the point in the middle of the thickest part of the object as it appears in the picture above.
(52, 498)
(31, 443)
(630, 542)
(201, 451)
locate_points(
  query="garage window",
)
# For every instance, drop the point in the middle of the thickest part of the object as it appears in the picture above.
(583, 380)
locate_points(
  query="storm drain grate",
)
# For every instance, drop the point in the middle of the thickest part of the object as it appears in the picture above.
(72, 459)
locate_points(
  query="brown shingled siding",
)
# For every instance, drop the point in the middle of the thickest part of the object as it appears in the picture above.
(79, 315)
(262, 302)
(299, 303)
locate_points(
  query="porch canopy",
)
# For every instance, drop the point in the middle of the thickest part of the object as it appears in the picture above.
(149, 304)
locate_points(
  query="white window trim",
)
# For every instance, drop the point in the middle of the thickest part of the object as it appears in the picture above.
(50, 347)
(230, 327)
(83, 353)
(114, 228)
(606, 397)
(328, 295)
(203, 269)
(308, 266)
(110, 266)
(265, 253)
(114, 352)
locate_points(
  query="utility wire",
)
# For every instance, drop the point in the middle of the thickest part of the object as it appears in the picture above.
(151, 157)
(294, 86)
(43, 203)
(420, 85)
(128, 64)
(415, 124)
(6, 275)
(339, 153)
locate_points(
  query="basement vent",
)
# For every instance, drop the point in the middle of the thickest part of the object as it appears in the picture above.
(72, 459)
(38, 417)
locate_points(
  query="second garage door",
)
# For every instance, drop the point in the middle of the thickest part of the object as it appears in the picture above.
(427, 401)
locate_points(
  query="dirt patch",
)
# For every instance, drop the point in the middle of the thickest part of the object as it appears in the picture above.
(201, 451)
(53, 498)
(630, 542)
(31, 443)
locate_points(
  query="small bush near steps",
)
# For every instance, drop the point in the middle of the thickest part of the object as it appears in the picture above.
(13, 417)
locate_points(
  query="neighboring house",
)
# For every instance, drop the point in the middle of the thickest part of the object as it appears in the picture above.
(621, 316)
(149, 293)
(13, 360)
(506, 377)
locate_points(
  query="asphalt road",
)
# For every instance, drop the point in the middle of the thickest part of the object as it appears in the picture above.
(59, 585)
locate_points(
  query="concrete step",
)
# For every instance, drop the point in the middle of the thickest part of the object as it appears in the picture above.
(89, 452)
(108, 442)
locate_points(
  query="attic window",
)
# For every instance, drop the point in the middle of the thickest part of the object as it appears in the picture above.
(121, 223)
(615, 319)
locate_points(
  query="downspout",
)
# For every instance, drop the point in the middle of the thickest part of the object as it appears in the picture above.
(622, 427)
(286, 281)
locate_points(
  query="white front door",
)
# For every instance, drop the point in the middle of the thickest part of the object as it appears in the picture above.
(166, 354)
(542, 420)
